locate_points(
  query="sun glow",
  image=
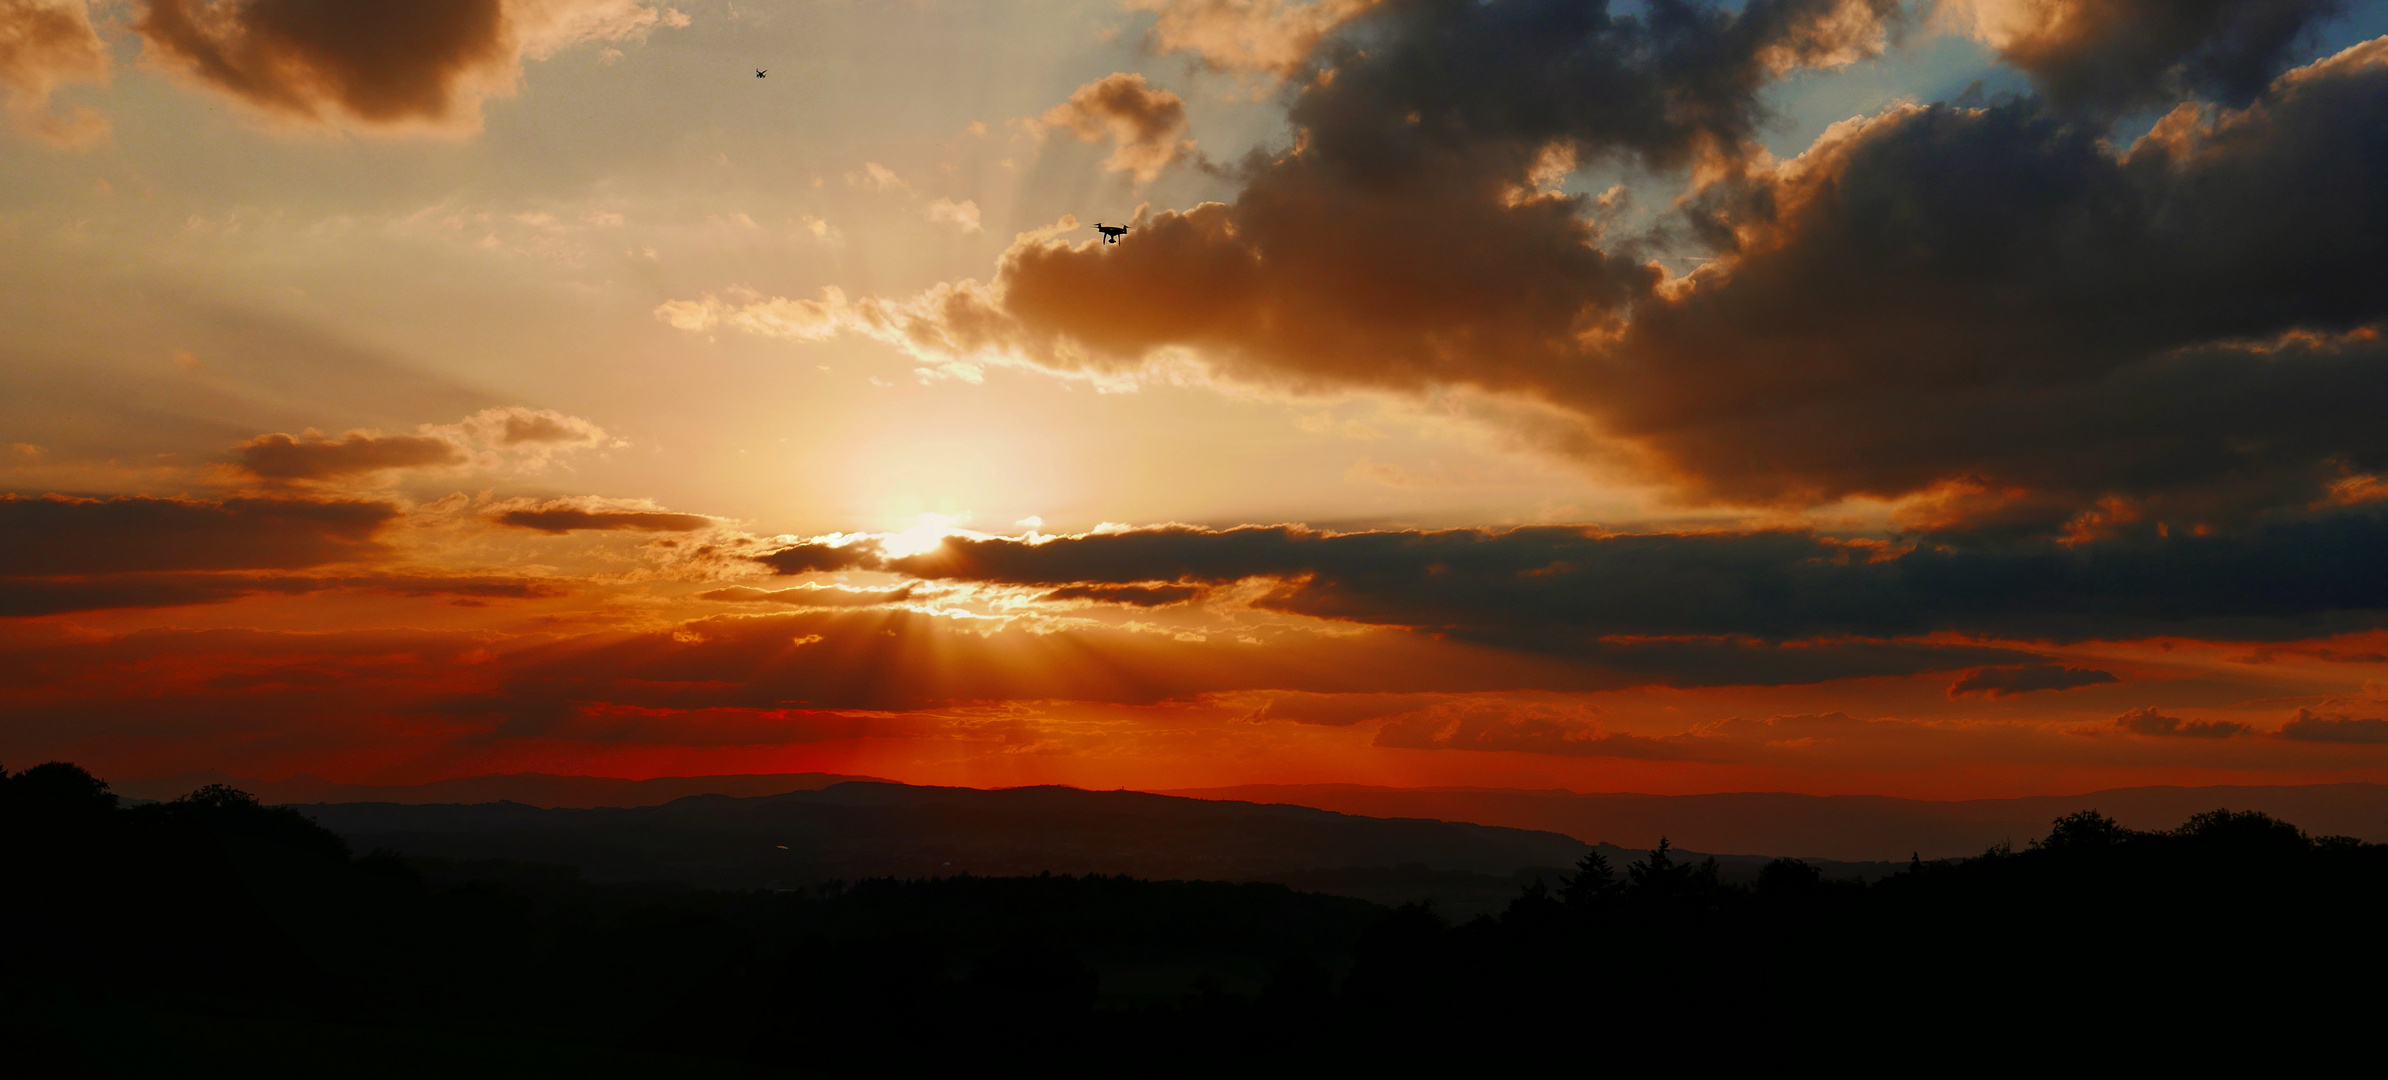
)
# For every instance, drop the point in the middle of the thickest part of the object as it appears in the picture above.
(931, 531)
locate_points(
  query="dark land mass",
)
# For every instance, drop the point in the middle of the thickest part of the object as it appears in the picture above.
(1846, 827)
(854, 831)
(215, 936)
(1874, 833)
(530, 789)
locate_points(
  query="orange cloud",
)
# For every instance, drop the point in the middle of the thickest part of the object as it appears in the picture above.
(2006, 682)
(22, 597)
(2113, 54)
(812, 596)
(1900, 311)
(1254, 36)
(518, 437)
(62, 553)
(43, 44)
(2147, 721)
(1831, 36)
(861, 673)
(1762, 606)
(563, 517)
(1131, 595)
(1144, 123)
(424, 64)
(2306, 726)
(61, 535)
(313, 457)
(1531, 728)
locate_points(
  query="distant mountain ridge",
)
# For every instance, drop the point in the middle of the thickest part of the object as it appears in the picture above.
(1841, 828)
(1854, 828)
(862, 830)
(877, 829)
(530, 789)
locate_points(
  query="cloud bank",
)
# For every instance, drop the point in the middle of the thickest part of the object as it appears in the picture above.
(515, 437)
(423, 64)
(1990, 317)
(1577, 590)
(1145, 124)
(2108, 55)
(43, 45)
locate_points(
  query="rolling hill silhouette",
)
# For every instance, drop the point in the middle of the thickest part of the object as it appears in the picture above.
(924, 829)
(867, 829)
(1845, 828)
(530, 789)
(873, 829)
(1832, 827)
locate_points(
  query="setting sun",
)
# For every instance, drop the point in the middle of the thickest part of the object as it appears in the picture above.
(1884, 398)
(1192, 538)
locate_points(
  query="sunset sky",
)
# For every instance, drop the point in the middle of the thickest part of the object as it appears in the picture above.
(1943, 399)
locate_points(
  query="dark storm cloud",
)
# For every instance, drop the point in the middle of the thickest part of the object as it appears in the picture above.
(58, 535)
(560, 520)
(377, 60)
(2111, 55)
(379, 63)
(2147, 721)
(1662, 599)
(1992, 310)
(812, 558)
(287, 457)
(2006, 682)
(1946, 294)
(1401, 243)
(1461, 74)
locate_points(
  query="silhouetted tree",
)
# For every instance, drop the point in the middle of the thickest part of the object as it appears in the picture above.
(2249, 828)
(1658, 867)
(266, 915)
(1022, 980)
(1789, 878)
(253, 832)
(57, 787)
(2084, 829)
(219, 797)
(1534, 910)
(1659, 877)
(1593, 884)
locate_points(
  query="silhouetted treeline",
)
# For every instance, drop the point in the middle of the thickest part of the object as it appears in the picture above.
(212, 932)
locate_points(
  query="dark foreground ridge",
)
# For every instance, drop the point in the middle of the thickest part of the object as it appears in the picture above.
(212, 935)
(530, 789)
(852, 831)
(1848, 827)
(859, 830)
